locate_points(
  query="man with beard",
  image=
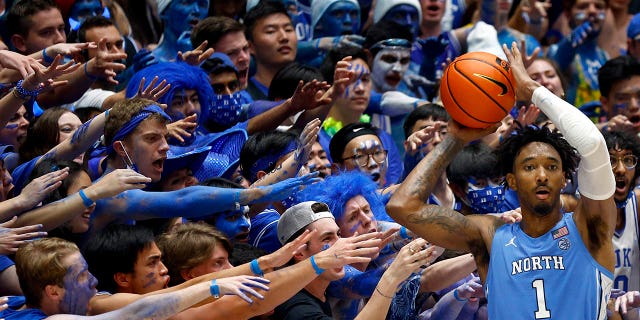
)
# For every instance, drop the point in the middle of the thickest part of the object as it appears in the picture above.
(530, 267)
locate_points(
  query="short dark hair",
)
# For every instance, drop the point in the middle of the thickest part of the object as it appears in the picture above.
(115, 249)
(475, 160)
(616, 69)
(623, 140)
(424, 112)
(212, 29)
(90, 23)
(385, 29)
(510, 148)
(286, 80)
(19, 16)
(341, 139)
(264, 9)
(260, 145)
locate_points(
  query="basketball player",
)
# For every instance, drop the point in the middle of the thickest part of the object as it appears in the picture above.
(529, 268)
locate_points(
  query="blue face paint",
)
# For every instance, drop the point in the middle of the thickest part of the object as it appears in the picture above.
(341, 18)
(182, 16)
(83, 9)
(404, 15)
(325, 246)
(234, 223)
(79, 285)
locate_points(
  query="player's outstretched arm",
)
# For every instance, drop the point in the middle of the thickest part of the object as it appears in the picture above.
(595, 215)
(439, 225)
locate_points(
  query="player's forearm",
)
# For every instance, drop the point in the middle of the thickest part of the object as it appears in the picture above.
(414, 192)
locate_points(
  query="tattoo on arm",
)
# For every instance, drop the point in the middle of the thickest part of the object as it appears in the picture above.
(422, 186)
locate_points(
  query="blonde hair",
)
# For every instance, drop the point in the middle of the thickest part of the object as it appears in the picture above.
(39, 264)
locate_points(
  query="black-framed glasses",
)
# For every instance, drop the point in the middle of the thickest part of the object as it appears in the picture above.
(361, 159)
(629, 161)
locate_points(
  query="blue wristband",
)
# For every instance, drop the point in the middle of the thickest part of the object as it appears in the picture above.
(45, 57)
(86, 73)
(404, 234)
(214, 289)
(85, 200)
(315, 266)
(455, 295)
(255, 268)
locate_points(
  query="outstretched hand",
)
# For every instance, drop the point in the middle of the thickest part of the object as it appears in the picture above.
(524, 84)
(286, 252)
(196, 56)
(420, 138)
(241, 286)
(308, 137)
(12, 238)
(39, 188)
(283, 189)
(118, 181)
(310, 95)
(411, 258)
(44, 79)
(152, 91)
(471, 290)
(23, 64)
(627, 301)
(182, 128)
(105, 64)
(355, 249)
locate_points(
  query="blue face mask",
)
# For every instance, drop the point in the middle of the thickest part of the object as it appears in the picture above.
(486, 200)
(341, 18)
(404, 15)
(234, 223)
(226, 109)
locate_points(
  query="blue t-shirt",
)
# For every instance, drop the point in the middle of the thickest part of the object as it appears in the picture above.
(26, 314)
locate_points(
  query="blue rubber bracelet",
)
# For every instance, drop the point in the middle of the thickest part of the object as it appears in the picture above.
(404, 234)
(214, 289)
(318, 270)
(255, 268)
(45, 57)
(85, 200)
(455, 295)
(86, 73)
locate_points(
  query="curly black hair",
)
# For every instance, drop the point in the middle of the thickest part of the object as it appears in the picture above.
(623, 140)
(510, 148)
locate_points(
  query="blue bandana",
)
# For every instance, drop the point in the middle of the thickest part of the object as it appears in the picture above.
(269, 160)
(128, 127)
(486, 200)
(226, 109)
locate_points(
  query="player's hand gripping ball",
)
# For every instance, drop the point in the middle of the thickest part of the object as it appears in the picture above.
(477, 89)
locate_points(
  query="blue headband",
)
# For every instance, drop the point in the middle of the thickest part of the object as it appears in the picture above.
(269, 160)
(132, 124)
(391, 44)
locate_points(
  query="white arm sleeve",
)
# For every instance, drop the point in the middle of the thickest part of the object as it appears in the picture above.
(595, 176)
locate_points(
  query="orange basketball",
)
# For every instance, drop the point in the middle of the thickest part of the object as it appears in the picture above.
(477, 89)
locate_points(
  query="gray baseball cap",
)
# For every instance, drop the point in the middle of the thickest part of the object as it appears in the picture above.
(300, 216)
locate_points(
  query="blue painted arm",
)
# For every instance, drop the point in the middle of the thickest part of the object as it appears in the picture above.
(355, 284)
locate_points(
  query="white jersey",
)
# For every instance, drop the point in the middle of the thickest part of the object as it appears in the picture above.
(625, 244)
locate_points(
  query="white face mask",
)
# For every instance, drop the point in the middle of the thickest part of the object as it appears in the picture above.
(389, 66)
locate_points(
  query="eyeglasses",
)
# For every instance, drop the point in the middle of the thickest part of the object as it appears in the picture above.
(362, 160)
(219, 88)
(629, 161)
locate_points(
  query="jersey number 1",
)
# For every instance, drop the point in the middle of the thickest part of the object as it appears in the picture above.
(542, 312)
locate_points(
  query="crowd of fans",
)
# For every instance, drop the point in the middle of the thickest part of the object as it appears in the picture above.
(211, 159)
